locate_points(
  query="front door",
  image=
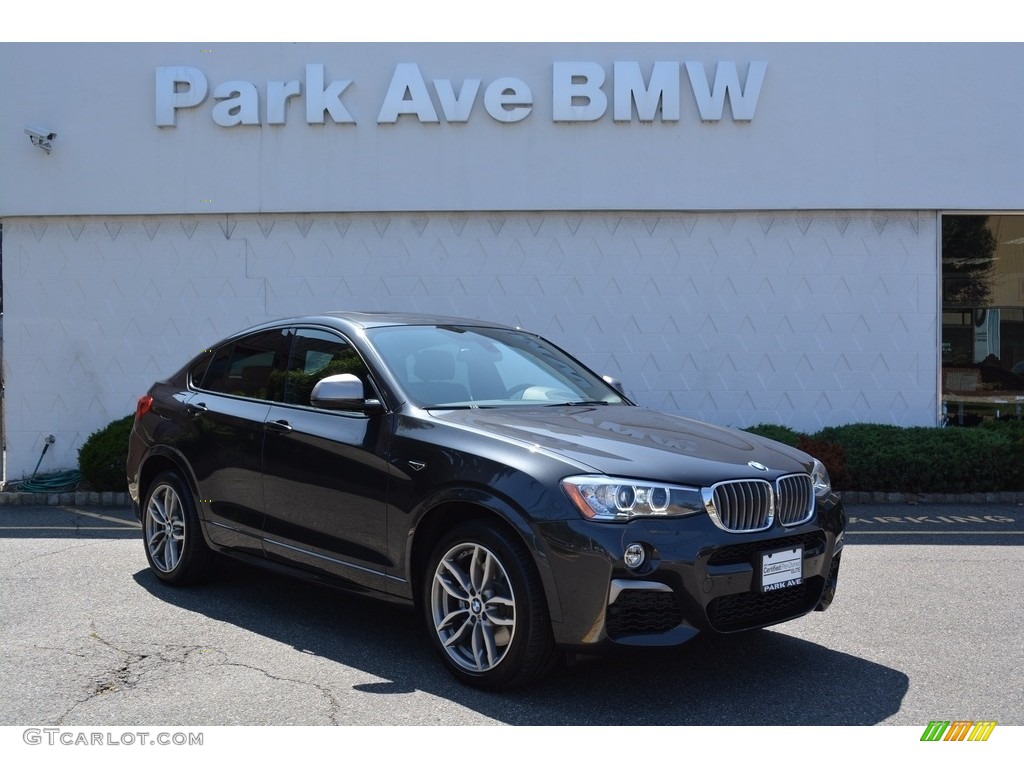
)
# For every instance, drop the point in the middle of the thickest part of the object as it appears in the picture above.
(324, 472)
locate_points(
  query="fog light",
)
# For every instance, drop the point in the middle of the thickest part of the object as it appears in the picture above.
(634, 556)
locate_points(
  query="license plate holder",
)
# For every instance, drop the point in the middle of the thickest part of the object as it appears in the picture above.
(780, 568)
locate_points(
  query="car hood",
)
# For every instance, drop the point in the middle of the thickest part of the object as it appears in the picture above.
(632, 441)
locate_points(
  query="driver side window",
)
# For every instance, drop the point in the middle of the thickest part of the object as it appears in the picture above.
(316, 355)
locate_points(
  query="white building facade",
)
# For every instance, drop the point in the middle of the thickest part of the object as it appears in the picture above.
(742, 233)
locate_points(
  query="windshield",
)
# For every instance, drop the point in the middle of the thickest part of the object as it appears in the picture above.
(455, 366)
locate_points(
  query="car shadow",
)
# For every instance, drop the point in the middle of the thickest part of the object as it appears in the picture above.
(753, 678)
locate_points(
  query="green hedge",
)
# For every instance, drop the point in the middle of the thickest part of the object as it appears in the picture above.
(102, 457)
(879, 457)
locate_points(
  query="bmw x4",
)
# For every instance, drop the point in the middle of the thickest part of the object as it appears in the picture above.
(522, 503)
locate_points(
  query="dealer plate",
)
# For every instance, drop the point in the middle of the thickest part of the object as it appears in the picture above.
(781, 568)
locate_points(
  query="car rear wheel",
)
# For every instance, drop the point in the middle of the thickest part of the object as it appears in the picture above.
(174, 543)
(485, 608)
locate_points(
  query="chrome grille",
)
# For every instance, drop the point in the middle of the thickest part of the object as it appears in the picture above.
(741, 505)
(795, 503)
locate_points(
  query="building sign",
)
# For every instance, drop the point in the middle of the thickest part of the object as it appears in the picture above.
(579, 93)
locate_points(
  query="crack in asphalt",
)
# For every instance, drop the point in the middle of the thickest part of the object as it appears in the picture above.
(127, 675)
(41, 555)
(334, 705)
(121, 677)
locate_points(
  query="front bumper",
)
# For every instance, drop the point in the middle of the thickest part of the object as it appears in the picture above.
(696, 578)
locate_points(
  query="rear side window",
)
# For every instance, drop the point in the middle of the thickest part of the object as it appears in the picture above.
(197, 370)
(253, 366)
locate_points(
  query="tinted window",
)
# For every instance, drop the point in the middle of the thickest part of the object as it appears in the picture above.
(246, 367)
(197, 370)
(315, 356)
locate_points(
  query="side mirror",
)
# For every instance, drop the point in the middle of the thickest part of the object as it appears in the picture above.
(342, 392)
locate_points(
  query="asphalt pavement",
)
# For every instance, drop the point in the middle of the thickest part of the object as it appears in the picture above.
(927, 625)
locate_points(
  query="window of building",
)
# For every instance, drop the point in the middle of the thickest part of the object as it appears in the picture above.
(982, 318)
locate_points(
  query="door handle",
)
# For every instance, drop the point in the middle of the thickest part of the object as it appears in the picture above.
(196, 409)
(280, 426)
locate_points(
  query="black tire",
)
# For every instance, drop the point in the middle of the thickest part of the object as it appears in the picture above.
(175, 548)
(485, 608)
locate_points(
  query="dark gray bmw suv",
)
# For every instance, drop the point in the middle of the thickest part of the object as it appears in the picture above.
(521, 502)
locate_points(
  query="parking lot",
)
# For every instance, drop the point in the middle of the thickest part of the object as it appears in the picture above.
(927, 625)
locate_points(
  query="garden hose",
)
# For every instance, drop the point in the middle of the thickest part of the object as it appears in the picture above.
(57, 482)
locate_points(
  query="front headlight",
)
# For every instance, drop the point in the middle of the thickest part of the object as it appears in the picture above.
(615, 500)
(820, 479)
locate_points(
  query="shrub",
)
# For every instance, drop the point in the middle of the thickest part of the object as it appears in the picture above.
(881, 457)
(832, 455)
(776, 432)
(102, 458)
(924, 459)
(1013, 461)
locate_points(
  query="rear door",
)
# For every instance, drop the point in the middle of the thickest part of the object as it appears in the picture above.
(228, 414)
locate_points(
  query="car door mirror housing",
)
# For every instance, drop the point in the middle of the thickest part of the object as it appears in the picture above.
(342, 392)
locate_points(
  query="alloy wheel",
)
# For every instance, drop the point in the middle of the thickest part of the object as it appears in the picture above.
(473, 607)
(165, 528)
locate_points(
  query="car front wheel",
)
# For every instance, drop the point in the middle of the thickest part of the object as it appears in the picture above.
(175, 547)
(485, 608)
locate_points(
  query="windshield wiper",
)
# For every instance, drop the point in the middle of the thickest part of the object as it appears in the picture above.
(456, 407)
(579, 402)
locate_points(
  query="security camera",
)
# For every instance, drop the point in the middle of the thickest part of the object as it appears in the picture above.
(41, 138)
